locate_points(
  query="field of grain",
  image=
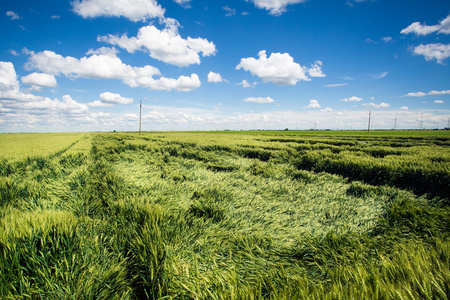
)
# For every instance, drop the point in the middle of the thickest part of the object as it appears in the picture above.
(225, 215)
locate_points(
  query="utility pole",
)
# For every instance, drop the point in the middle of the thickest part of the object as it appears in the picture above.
(395, 124)
(368, 127)
(140, 117)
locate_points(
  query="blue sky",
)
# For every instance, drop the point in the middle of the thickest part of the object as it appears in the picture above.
(84, 65)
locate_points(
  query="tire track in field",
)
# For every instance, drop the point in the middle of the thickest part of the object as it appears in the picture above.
(61, 152)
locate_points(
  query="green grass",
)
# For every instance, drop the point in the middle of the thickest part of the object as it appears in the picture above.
(228, 215)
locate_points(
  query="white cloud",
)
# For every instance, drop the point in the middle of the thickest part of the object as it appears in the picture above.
(316, 69)
(352, 99)
(404, 108)
(214, 77)
(312, 104)
(447, 92)
(108, 66)
(422, 94)
(230, 11)
(278, 68)
(351, 2)
(336, 85)
(112, 98)
(382, 75)
(14, 52)
(439, 52)
(439, 101)
(24, 111)
(259, 100)
(184, 3)
(67, 105)
(165, 45)
(275, 7)
(419, 29)
(246, 84)
(103, 51)
(98, 103)
(8, 77)
(12, 15)
(387, 39)
(93, 67)
(183, 83)
(135, 10)
(328, 109)
(445, 25)
(39, 80)
(417, 94)
(381, 105)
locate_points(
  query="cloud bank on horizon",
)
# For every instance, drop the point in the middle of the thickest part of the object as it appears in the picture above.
(200, 65)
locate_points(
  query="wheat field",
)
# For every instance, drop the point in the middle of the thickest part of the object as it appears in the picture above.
(225, 215)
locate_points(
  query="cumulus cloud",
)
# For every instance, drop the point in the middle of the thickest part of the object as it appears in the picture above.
(39, 80)
(12, 15)
(8, 77)
(279, 68)
(316, 70)
(165, 45)
(245, 84)
(214, 77)
(98, 103)
(381, 105)
(275, 7)
(108, 66)
(439, 52)
(16, 102)
(103, 51)
(259, 100)
(112, 98)
(419, 29)
(328, 109)
(439, 101)
(93, 67)
(312, 104)
(183, 83)
(352, 99)
(135, 10)
(387, 39)
(66, 106)
(404, 108)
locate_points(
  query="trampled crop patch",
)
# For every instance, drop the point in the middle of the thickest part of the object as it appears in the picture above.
(227, 216)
